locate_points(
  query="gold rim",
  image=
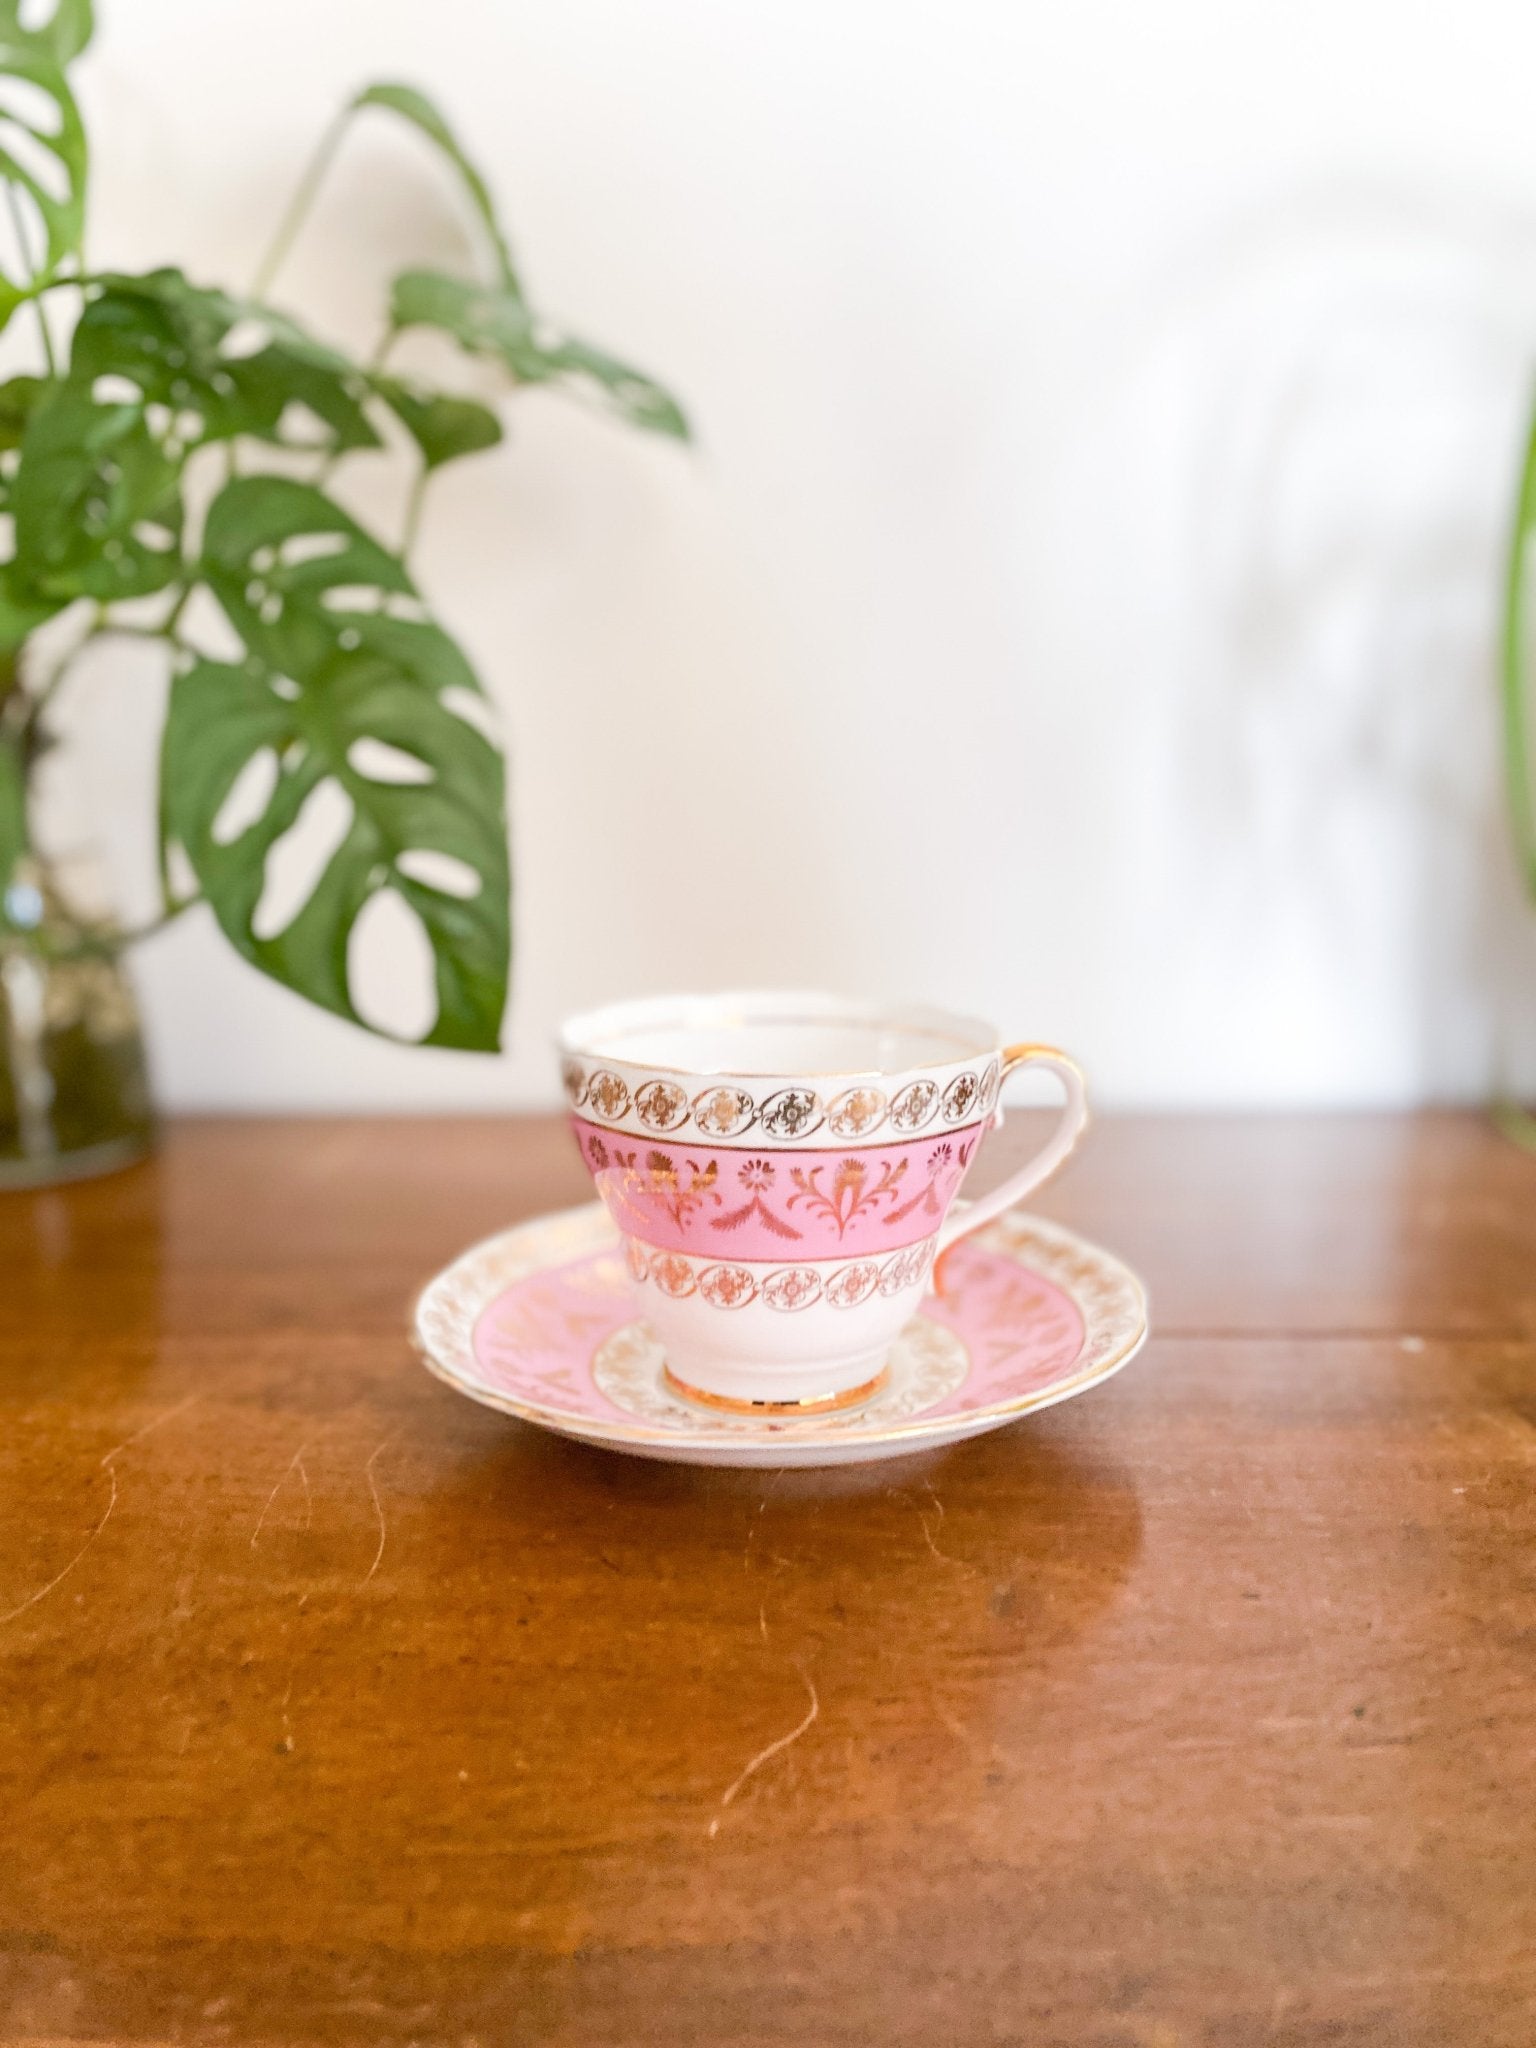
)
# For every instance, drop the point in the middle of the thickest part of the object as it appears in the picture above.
(919, 1018)
(813, 1404)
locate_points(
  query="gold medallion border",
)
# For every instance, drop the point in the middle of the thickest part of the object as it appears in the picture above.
(788, 1112)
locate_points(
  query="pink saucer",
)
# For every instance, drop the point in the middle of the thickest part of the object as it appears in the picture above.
(540, 1322)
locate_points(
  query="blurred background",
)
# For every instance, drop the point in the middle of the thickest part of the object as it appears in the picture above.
(1081, 603)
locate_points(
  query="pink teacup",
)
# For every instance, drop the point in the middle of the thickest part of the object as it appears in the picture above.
(783, 1170)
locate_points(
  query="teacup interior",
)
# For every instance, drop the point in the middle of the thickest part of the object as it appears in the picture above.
(772, 1035)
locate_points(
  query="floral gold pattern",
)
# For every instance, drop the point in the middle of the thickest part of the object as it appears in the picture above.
(607, 1096)
(792, 1113)
(672, 1273)
(676, 1189)
(906, 1269)
(757, 1205)
(757, 1177)
(727, 1286)
(856, 1111)
(945, 1168)
(722, 1112)
(792, 1287)
(914, 1106)
(661, 1105)
(856, 1283)
(789, 1114)
(786, 1288)
(848, 1192)
(959, 1098)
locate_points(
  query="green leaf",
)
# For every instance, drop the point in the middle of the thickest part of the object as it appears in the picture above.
(443, 427)
(19, 399)
(96, 502)
(221, 719)
(293, 371)
(635, 397)
(63, 36)
(27, 140)
(163, 336)
(486, 320)
(415, 107)
(306, 587)
(293, 571)
(22, 609)
(172, 340)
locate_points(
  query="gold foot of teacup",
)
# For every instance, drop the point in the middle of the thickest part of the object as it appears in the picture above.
(816, 1404)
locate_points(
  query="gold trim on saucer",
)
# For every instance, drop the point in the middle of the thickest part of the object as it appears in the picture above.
(1108, 1296)
(814, 1404)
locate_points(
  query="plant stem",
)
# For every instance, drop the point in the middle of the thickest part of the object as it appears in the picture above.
(101, 626)
(1519, 761)
(303, 198)
(333, 452)
(158, 636)
(42, 327)
(412, 520)
(13, 206)
(167, 626)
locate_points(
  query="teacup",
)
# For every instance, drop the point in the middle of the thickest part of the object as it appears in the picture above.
(783, 1170)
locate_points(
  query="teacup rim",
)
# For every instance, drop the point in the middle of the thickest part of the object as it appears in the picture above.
(969, 1037)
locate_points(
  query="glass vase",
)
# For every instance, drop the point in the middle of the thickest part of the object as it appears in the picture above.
(74, 1088)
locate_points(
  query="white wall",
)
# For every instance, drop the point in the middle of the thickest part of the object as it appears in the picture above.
(1080, 606)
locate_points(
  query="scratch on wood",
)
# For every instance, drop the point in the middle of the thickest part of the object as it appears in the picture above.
(59, 1577)
(295, 1462)
(942, 1555)
(154, 1422)
(746, 1555)
(765, 1755)
(378, 1506)
(108, 1465)
(752, 1526)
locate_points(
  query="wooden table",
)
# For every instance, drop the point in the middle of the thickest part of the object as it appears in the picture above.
(1198, 1711)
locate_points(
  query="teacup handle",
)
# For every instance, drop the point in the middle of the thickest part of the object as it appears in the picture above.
(965, 1217)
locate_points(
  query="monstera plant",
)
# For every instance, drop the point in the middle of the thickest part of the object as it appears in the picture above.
(167, 472)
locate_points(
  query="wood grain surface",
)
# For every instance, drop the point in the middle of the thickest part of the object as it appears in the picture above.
(1197, 1711)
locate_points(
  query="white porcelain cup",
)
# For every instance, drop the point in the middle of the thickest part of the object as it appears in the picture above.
(783, 1170)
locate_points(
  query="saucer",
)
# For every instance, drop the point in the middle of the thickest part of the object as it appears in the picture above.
(540, 1323)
